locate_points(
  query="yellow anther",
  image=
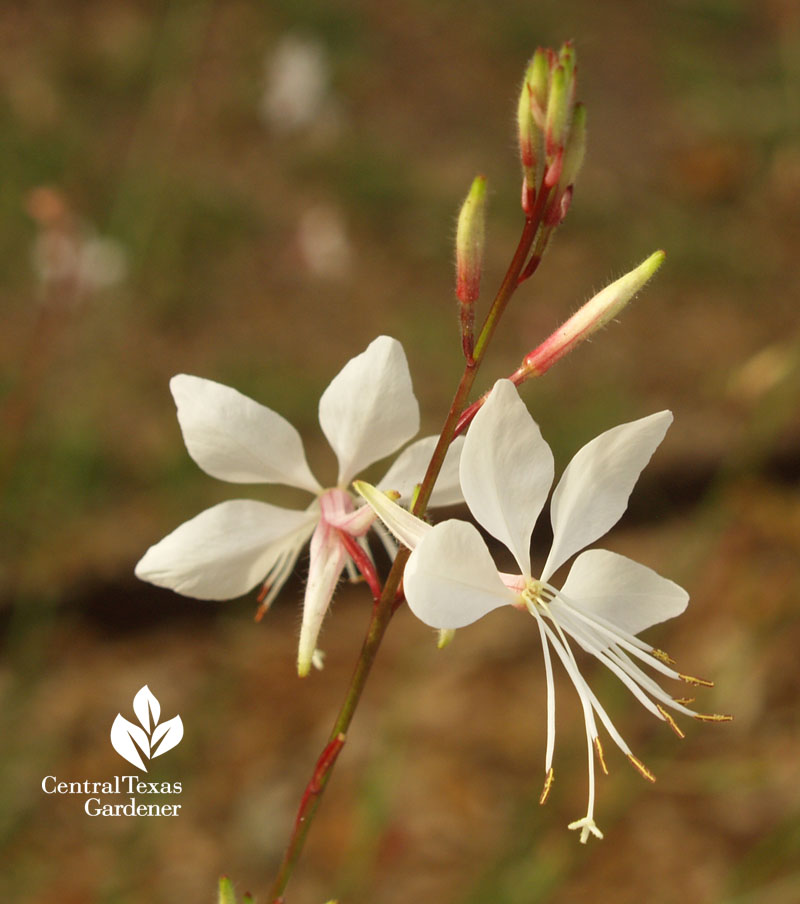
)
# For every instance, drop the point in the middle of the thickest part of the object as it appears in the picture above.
(684, 701)
(662, 656)
(641, 768)
(697, 682)
(713, 717)
(548, 784)
(599, 748)
(670, 721)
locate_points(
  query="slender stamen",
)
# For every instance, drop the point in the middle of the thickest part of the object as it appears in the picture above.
(386, 539)
(647, 682)
(599, 748)
(664, 657)
(641, 768)
(604, 718)
(670, 721)
(548, 784)
(582, 686)
(352, 572)
(589, 702)
(713, 717)
(568, 661)
(630, 642)
(585, 701)
(696, 682)
(551, 702)
(591, 646)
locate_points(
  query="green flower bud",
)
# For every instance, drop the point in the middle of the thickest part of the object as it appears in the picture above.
(226, 894)
(576, 147)
(558, 111)
(596, 313)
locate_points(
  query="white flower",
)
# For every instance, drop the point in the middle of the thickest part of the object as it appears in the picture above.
(506, 472)
(367, 412)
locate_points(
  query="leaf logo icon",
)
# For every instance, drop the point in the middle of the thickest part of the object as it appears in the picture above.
(148, 739)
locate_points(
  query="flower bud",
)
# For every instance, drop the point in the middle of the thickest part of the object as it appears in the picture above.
(595, 314)
(576, 147)
(566, 59)
(470, 241)
(538, 79)
(557, 116)
(226, 894)
(528, 132)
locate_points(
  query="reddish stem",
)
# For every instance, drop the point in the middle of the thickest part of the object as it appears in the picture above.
(391, 595)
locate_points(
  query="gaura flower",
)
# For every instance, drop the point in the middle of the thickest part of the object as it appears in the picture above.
(367, 412)
(450, 580)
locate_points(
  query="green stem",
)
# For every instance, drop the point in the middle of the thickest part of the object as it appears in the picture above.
(384, 608)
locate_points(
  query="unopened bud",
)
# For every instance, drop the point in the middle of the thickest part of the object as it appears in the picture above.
(595, 314)
(576, 147)
(526, 127)
(557, 115)
(470, 241)
(566, 59)
(226, 893)
(538, 79)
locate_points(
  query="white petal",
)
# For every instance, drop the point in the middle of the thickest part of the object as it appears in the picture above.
(506, 470)
(450, 579)
(410, 466)
(236, 439)
(408, 529)
(369, 410)
(629, 595)
(328, 557)
(593, 491)
(224, 551)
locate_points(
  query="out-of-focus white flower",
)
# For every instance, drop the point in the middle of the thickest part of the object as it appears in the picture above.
(506, 471)
(102, 262)
(367, 412)
(323, 242)
(297, 85)
(68, 252)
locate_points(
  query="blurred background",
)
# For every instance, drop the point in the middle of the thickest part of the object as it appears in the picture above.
(251, 192)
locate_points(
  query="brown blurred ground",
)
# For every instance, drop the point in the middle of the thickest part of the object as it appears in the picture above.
(144, 118)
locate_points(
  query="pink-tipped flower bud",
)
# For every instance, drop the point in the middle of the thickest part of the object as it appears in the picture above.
(595, 314)
(470, 241)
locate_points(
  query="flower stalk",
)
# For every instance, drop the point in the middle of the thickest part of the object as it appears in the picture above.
(387, 604)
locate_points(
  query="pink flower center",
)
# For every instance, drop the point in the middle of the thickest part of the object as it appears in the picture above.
(335, 504)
